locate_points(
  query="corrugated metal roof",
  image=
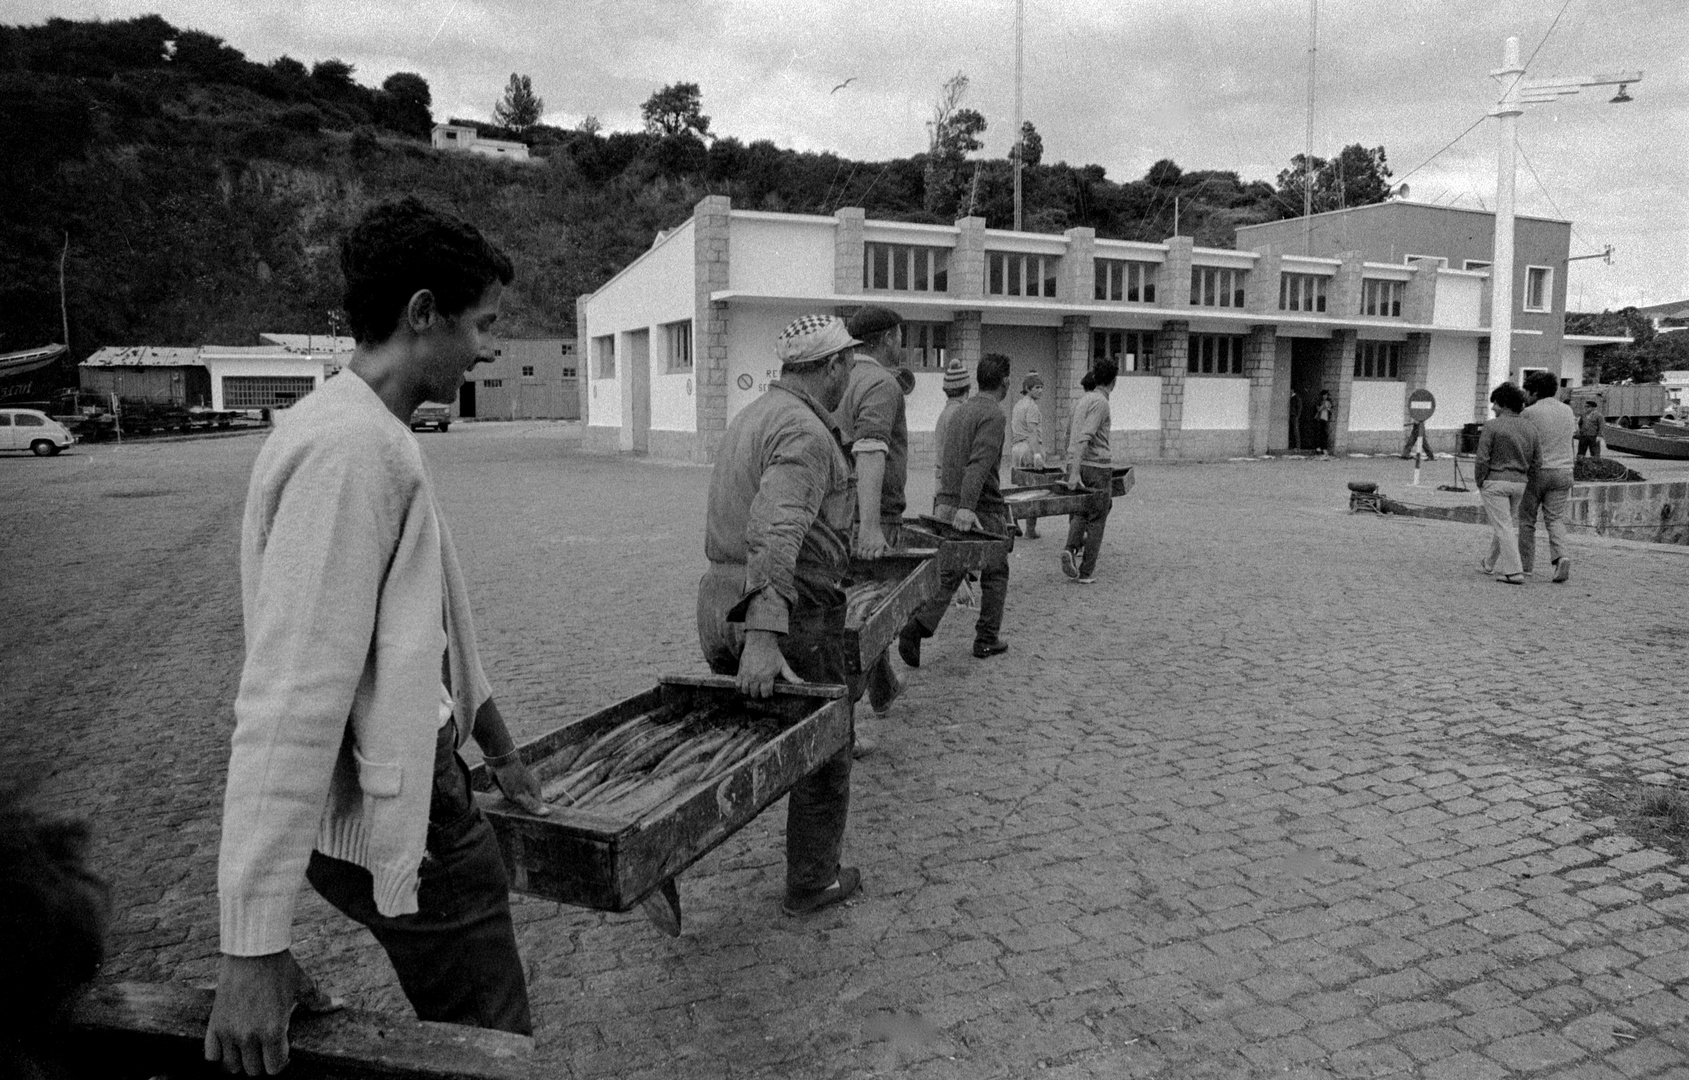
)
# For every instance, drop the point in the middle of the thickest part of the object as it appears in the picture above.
(311, 343)
(143, 356)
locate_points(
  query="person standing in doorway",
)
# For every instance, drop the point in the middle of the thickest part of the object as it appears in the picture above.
(1322, 424)
(1090, 465)
(1551, 485)
(1026, 434)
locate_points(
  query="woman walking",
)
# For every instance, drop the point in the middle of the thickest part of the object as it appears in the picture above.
(1508, 454)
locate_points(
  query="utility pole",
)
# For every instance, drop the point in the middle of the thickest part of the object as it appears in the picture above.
(64, 309)
(1308, 151)
(1020, 134)
(1516, 93)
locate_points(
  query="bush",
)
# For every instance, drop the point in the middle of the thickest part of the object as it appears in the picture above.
(304, 119)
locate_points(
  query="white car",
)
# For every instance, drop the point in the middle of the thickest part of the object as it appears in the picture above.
(29, 429)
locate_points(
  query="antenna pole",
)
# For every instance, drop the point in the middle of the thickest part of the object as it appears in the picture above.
(1308, 152)
(1020, 134)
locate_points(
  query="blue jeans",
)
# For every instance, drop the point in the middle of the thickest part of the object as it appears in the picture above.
(818, 806)
(456, 956)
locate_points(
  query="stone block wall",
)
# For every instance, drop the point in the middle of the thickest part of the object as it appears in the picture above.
(1344, 296)
(1338, 376)
(848, 248)
(1260, 357)
(1172, 353)
(1419, 301)
(965, 342)
(967, 261)
(1073, 359)
(711, 224)
(1173, 281)
(1261, 285)
(1656, 513)
(1077, 283)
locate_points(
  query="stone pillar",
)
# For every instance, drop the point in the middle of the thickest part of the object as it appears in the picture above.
(1073, 359)
(965, 341)
(1173, 283)
(1260, 358)
(1416, 361)
(1419, 300)
(711, 222)
(1344, 299)
(847, 250)
(1338, 376)
(1481, 407)
(1261, 285)
(1078, 281)
(967, 261)
(1172, 354)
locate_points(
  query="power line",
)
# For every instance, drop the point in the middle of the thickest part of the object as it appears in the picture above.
(1403, 178)
(1544, 189)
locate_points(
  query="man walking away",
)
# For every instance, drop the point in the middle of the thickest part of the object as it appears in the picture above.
(871, 418)
(777, 533)
(1026, 434)
(1550, 487)
(969, 498)
(362, 679)
(1589, 430)
(1090, 464)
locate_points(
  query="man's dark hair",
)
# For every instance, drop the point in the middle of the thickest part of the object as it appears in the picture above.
(1105, 371)
(400, 248)
(1509, 397)
(1087, 382)
(53, 914)
(993, 371)
(1542, 383)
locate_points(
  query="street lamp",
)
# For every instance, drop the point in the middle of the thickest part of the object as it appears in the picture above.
(1516, 93)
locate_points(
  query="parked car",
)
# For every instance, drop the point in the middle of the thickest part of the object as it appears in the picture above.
(428, 414)
(33, 430)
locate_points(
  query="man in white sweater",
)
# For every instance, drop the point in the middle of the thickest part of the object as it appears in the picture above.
(1550, 487)
(362, 679)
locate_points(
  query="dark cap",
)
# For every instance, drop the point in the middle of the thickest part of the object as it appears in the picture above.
(872, 320)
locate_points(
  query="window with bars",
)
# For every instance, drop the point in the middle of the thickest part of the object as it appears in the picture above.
(567, 348)
(265, 391)
(677, 337)
(924, 345)
(492, 384)
(905, 267)
(569, 371)
(604, 357)
(1216, 286)
(1301, 292)
(1127, 280)
(1378, 359)
(1015, 274)
(527, 371)
(1381, 297)
(1215, 354)
(1131, 350)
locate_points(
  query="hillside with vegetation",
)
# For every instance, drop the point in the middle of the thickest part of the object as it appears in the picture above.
(195, 196)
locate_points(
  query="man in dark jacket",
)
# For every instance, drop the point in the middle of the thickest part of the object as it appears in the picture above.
(969, 497)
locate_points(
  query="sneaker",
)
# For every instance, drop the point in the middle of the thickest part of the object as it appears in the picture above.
(984, 649)
(909, 646)
(1069, 563)
(1084, 581)
(843, 888)
(1562, 569)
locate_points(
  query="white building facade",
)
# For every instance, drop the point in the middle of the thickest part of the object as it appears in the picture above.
(1222, 353)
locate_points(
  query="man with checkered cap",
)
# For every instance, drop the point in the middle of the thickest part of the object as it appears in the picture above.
(771, 604)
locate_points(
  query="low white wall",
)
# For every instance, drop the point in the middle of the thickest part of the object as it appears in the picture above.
(1459, 298)
(1216, 404)
(926, 401)
(656, 288)
(1453, 380)
(673, 404)
(1135, 403)
(1377, 405)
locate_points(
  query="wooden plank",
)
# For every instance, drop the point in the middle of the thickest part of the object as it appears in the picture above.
(610, 859)
(1122, 482)
(160, 1028)
(958, 551)
(1054, 498)
(918, 580)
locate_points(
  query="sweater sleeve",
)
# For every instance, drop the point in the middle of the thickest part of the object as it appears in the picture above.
(985, 455)
(322, 525)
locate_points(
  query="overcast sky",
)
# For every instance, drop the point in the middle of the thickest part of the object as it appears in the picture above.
(1212, 84)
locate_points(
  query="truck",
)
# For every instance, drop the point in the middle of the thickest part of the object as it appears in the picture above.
(1630, 404)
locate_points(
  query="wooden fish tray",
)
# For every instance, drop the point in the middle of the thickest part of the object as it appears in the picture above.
(916, 574)
(1050, 497)
(611, 859)
(1051, 474)
(958, 550)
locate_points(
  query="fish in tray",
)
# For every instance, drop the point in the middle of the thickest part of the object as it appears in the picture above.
(863, 598)
(644, 761)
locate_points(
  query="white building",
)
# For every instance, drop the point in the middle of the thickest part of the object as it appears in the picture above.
(1214, 346)
(465, 138)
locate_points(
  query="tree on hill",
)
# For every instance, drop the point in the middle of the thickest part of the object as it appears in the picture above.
(676, 108)
(404, 104)
(520, 108)
(1357, 176)
(952, 134)
(1031, 146)
(334, 77)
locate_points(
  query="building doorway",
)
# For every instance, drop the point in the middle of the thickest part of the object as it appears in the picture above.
(1307, 373)
(466, 401)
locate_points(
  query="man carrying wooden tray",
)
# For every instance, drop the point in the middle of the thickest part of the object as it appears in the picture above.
(362, 678)
(777, 535)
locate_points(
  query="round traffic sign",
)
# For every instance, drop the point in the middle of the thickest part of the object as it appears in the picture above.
(1420, 405)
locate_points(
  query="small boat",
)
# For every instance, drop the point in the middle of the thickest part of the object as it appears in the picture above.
(1672, 429)
(1651, 444)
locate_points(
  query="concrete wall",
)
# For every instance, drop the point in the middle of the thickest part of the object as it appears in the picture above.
(286, 366)
(751, 365)
(1378, 405)
(1452, 367)
(1653, 512)
(1459, 299)
(1215, 404)
(782, 255)
(655, 289)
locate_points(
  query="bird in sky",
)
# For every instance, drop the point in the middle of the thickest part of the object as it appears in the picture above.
(842, 85)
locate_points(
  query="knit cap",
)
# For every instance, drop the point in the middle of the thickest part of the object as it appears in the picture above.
(812, 337)
(956, 375)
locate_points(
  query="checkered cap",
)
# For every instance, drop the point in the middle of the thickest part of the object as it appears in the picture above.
(812, 337)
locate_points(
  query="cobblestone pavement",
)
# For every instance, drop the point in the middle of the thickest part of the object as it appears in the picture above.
(1287, 792)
